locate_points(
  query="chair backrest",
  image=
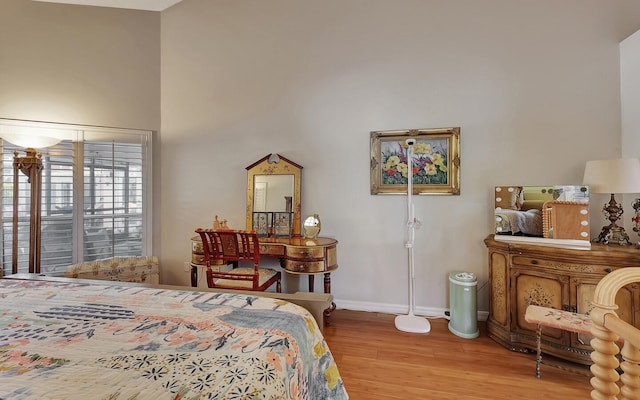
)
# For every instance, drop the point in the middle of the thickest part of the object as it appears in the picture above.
(229, 246)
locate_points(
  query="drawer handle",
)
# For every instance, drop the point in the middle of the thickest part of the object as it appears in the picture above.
(534, 262)
(608, 270)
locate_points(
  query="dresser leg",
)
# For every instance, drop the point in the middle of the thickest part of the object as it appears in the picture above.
(311, 282)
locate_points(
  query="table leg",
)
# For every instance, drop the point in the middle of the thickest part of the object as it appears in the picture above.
(327, 282)
(311, 283)
(327, 289)
(194, 276)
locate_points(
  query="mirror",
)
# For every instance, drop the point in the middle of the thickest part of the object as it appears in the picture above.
(554, 212)
(311, 226)
(273, 195)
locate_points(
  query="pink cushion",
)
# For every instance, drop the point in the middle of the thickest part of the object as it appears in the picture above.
(565, 320)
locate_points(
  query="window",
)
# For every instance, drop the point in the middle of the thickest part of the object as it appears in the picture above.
(94, 197)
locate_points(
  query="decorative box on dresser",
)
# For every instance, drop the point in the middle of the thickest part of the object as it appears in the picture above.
(524, 274)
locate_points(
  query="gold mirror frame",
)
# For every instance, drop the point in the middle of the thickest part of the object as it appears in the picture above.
(275, 164)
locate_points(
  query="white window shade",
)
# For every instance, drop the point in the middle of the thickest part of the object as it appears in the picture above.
(113, 201)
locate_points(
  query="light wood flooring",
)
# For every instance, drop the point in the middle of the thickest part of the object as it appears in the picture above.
(376, 361)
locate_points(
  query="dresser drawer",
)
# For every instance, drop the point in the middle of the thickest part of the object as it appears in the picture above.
(305, 252)
(274, 250)
(567, 266)
(197, 259)
(304, 266)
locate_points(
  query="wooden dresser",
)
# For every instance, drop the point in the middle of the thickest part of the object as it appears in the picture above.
(524, 274)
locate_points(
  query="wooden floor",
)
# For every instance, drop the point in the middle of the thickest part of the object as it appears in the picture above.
(376, 361)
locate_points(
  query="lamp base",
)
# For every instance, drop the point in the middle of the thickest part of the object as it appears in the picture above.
(613, 234)
(412, 323)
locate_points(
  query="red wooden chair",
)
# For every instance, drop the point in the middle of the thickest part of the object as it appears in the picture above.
(235, 246)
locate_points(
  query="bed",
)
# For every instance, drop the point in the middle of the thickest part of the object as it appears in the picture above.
(91, 340)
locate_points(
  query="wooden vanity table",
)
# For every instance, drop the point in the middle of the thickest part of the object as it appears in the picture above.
(297, 255)
(273, 190)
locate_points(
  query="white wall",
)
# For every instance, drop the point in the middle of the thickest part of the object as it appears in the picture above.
(630, 98)
(79, 65)
(534, 87)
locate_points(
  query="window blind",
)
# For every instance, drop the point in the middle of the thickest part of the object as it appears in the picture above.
(112, 199)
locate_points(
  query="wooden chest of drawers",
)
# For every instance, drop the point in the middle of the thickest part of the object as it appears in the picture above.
(524, 274)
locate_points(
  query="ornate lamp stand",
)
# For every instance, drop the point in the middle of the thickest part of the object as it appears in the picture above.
(613, 233)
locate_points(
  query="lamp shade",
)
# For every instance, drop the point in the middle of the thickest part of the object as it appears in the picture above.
(35, 135)
(620, 175)
(22, 140)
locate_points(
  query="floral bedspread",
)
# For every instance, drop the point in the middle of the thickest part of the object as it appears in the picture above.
(91, 341)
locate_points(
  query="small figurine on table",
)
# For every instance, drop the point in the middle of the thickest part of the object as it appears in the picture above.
(217, 224)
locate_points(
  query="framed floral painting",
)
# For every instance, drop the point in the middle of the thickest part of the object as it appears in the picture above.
(435, 164)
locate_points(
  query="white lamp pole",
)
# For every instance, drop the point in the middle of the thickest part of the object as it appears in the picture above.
(411, 322)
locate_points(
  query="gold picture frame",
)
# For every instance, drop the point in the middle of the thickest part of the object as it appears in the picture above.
(436, 161)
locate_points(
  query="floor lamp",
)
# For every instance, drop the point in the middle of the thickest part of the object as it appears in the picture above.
(29, 137)
(411, 322)
(30, 165)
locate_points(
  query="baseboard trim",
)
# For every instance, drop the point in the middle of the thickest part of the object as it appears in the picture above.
(429, 312)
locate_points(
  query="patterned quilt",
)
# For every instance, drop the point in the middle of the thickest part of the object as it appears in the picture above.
(63, 340)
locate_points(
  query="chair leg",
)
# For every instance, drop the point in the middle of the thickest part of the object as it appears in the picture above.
(209, 278)
(538, 351)
(278, 286)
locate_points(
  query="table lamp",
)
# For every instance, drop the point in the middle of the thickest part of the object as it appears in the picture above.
(613, 176)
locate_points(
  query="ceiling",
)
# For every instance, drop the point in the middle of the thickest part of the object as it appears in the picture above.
(150, 5)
